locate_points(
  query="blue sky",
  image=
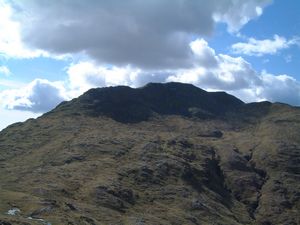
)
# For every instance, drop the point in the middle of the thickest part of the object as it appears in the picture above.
(281, 18)
(55, 51)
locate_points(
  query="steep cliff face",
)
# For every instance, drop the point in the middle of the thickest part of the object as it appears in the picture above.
(162, 154)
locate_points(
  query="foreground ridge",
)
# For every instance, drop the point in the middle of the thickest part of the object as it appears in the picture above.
(161, 154)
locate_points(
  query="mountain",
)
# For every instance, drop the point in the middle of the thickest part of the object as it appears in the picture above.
(161, 154)
(125, 104)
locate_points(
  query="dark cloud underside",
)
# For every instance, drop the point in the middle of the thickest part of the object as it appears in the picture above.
(144, 33)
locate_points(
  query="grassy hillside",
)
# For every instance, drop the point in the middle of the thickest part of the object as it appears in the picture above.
(82, 164)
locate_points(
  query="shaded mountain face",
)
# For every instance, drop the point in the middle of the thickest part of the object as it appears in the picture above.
(125, 104)
(162, 154)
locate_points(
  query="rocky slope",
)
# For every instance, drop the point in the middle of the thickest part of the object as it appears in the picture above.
(161, 154)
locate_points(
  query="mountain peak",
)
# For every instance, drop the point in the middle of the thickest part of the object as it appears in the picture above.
(125, 104)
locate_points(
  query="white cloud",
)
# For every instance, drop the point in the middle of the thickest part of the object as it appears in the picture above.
(86, 75)
(38, 96)
(225, 73)
(281, 88)
(137, 47)
(11, 43)
(232, 74)
(10, 39)
(5, 71)
(239, 13)
(127, 33)
(210, 70)
(261, 47)
(204, 55)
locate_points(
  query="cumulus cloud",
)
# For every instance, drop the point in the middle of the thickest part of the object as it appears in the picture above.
(146, 34)
(38, 96)
(225, 73)
(239, 13)
(85, 75)
(209, 70)
(281, 88)
(135, 42)
(5, 71)
(11, 43)
(261, 47)
(10, 39)
(204, 55)
(216, 72)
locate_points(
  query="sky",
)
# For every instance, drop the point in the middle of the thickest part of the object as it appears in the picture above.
(51, 51)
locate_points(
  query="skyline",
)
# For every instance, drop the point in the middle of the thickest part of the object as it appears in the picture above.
(52, 51)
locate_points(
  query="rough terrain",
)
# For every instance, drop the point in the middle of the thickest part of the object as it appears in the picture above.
(161, 154)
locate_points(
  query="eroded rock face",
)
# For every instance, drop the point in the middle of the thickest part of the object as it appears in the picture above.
(180, 162)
